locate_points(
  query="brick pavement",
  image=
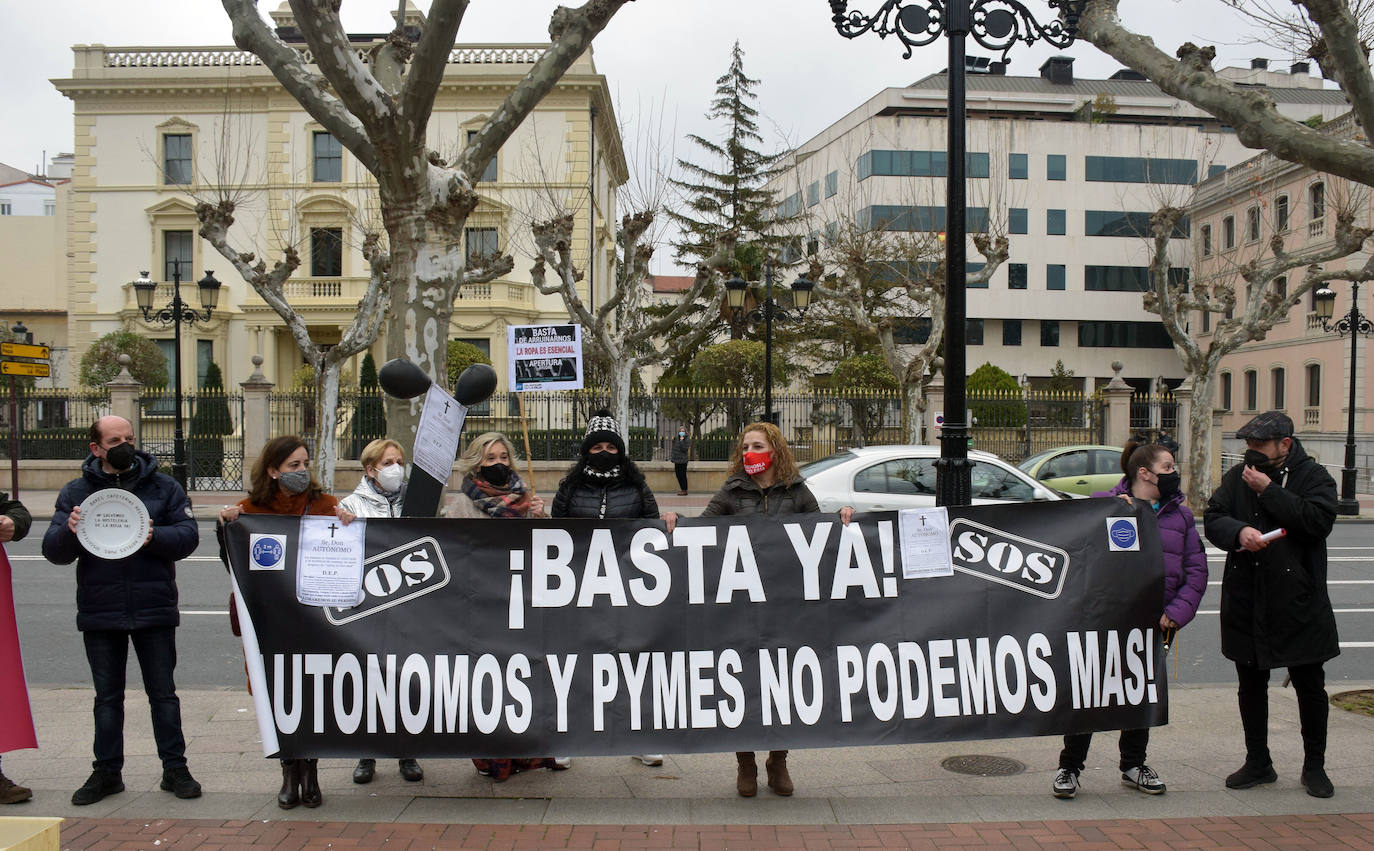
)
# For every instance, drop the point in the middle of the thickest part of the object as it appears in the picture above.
(1260, 832)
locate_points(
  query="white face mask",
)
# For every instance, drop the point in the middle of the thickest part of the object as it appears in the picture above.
(389, 478)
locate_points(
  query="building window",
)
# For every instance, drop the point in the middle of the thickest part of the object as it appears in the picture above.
(813, 193)
(49, 208)
(326, 252)
(1316, 201)
(1049, 332)
(1016, 276)
(1011, 332)
(1206, 321)
(1252, 224)
(1018, 220)
(488, 173)
(326, 158)
(481, 242)
(1127, 278)
(1251, 390)
(909, 219)
(1018, 166)
(1280, 285)
(1140, 170)
(1056, 222)
(1214, 169)
(917, 164)
(1314, 385)
(176, 253)
(205, 354)
(832, 183)
(791, 206)
(912, 331)
(1125, 223)
(6, 208)
(1206, 240)
(1056, 167)
(1281, 213)
(1226, 391)
(1103, 334)
(973, 332)
(1228, 233)
(176, 159)
(1277, 378)
(1054, 276)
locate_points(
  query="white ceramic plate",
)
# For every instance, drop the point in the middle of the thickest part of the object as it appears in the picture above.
(114, 523)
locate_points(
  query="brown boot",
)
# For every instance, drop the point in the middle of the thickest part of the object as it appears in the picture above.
(747, 780)
(778, 778)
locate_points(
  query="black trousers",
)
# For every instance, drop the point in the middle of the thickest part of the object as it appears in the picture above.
(1133, 744)
(108, 654)
(1309, 683)
(681, 470)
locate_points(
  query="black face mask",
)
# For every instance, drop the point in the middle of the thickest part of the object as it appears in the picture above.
(602, 461)
(120, 457)
(497, 474)
(1260, 461)
(1168, 484)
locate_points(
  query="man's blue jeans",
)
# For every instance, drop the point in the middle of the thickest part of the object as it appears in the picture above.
(108, 654)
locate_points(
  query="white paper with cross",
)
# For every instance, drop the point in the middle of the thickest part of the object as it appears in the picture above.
(329, 562)
(436, 437)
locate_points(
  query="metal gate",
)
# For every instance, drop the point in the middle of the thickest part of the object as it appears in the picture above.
(212, 424)
(1016, 425)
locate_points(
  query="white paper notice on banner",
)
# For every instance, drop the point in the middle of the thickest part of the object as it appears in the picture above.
(436, 437)
(924, 534)
(329, 562)
(544, 357)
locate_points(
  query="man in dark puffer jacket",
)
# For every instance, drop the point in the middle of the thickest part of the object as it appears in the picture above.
(132, 599)
(1275, 611)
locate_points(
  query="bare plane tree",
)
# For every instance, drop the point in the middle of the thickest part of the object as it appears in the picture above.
(620, 334)
(379, 110)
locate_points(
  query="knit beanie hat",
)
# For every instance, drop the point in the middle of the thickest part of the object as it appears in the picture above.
(602, 427)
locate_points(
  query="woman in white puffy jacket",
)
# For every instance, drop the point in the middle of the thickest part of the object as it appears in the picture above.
(379, 495)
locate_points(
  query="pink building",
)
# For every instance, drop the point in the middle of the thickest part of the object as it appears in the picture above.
(1298, 368)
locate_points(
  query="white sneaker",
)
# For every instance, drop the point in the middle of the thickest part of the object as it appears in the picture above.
(1066, 783)
(562, 762)
(1143, 778)
(650, 758)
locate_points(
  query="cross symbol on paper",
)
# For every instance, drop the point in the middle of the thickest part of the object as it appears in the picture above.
(446, 407)
(332, 527)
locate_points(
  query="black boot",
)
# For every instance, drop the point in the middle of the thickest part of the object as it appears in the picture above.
(363, 773)
(310, 783)
(290, 794)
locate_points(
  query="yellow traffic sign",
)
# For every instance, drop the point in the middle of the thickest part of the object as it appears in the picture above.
(37, 370)
(24, 350)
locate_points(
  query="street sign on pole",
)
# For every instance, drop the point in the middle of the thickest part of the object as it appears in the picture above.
(24, 350)
(36, 370)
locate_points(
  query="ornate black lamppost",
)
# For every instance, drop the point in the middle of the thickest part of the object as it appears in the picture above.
(768, 312)
(174, 314)
(996, 25)
(1353, 323)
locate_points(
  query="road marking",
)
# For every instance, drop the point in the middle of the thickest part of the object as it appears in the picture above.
(1357, 643)
(1217, 582)
(1220, 558)
(188, 558)
(205, 611)
(1337, 611)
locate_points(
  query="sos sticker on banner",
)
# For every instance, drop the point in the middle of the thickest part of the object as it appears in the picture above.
(544, 357)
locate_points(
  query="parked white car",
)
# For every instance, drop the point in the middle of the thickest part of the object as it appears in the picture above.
(890, 478)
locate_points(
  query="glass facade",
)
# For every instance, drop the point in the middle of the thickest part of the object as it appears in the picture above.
(1126, 278)
(1125, 223)
(917, 164)
(1140, 170)
(1018, 220)
(1123, 335)
(1056, 167)
(917, 219)
(1056, 222)
(1018, 166)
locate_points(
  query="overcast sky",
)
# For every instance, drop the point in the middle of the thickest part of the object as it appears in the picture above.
(661, 57)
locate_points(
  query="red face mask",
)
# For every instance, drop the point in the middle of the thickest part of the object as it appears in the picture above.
(757, 462)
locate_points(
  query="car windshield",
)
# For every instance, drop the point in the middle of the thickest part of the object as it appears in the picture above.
(815, 467)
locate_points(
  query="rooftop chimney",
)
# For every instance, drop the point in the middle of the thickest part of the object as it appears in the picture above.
(1058, 70)
(1259, 64)
(1300, 68)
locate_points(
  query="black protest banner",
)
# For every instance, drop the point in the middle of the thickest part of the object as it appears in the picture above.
(498, 638)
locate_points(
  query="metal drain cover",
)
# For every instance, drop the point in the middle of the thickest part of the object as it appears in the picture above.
(982, 766)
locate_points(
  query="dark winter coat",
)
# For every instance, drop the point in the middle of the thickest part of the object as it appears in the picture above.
(679, 449)
(1275, 611)
(579, 496)
(741, 495)
(139, 591)
(15, 510)
(1185, 561)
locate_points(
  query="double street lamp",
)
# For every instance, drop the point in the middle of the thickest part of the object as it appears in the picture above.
(175, 313)
(1353, 323)
(996, 25)
(768, 312)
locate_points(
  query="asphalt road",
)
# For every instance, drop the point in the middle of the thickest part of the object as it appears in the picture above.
(209, 656)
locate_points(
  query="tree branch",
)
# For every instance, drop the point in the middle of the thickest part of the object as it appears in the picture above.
(1349, 58)
(338, 60)
(428, 64)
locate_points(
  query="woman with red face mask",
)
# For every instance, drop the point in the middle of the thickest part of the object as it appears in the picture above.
(763, 479)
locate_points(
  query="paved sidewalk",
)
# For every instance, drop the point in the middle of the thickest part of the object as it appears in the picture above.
(894, 796)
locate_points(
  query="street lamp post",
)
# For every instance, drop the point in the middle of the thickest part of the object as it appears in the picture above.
(1353, 323)
(767, 312)
(996, 25)
(175, 313)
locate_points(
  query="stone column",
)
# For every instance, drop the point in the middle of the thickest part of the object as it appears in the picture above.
(257, 415)
(1118, 413)
(1218, 415)
(935, 403)
(124, 392)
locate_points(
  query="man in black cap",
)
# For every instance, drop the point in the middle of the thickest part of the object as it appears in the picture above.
(1275, 612)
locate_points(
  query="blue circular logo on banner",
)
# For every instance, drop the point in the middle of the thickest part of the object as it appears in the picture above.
(267, 552)
(1123, 533)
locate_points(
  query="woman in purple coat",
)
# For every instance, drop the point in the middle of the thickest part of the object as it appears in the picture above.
(1152, 476)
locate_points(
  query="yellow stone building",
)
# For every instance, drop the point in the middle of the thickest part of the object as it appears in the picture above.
(159, 129)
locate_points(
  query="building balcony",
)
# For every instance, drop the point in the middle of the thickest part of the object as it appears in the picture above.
(1311, 417)
(1316, 227)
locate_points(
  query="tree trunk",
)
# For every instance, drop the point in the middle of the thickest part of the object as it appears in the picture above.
(1200, 439)
(417, 328)
(913, 410)
(326, 416)
(620, 396)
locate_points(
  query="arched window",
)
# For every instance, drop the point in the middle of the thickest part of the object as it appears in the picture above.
(1281, 213)
(1277, 377)
(1252, 224)
(1314, 385)
(1251, 390)
(1226, 391)
(1228, 233)
(1316, 209)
